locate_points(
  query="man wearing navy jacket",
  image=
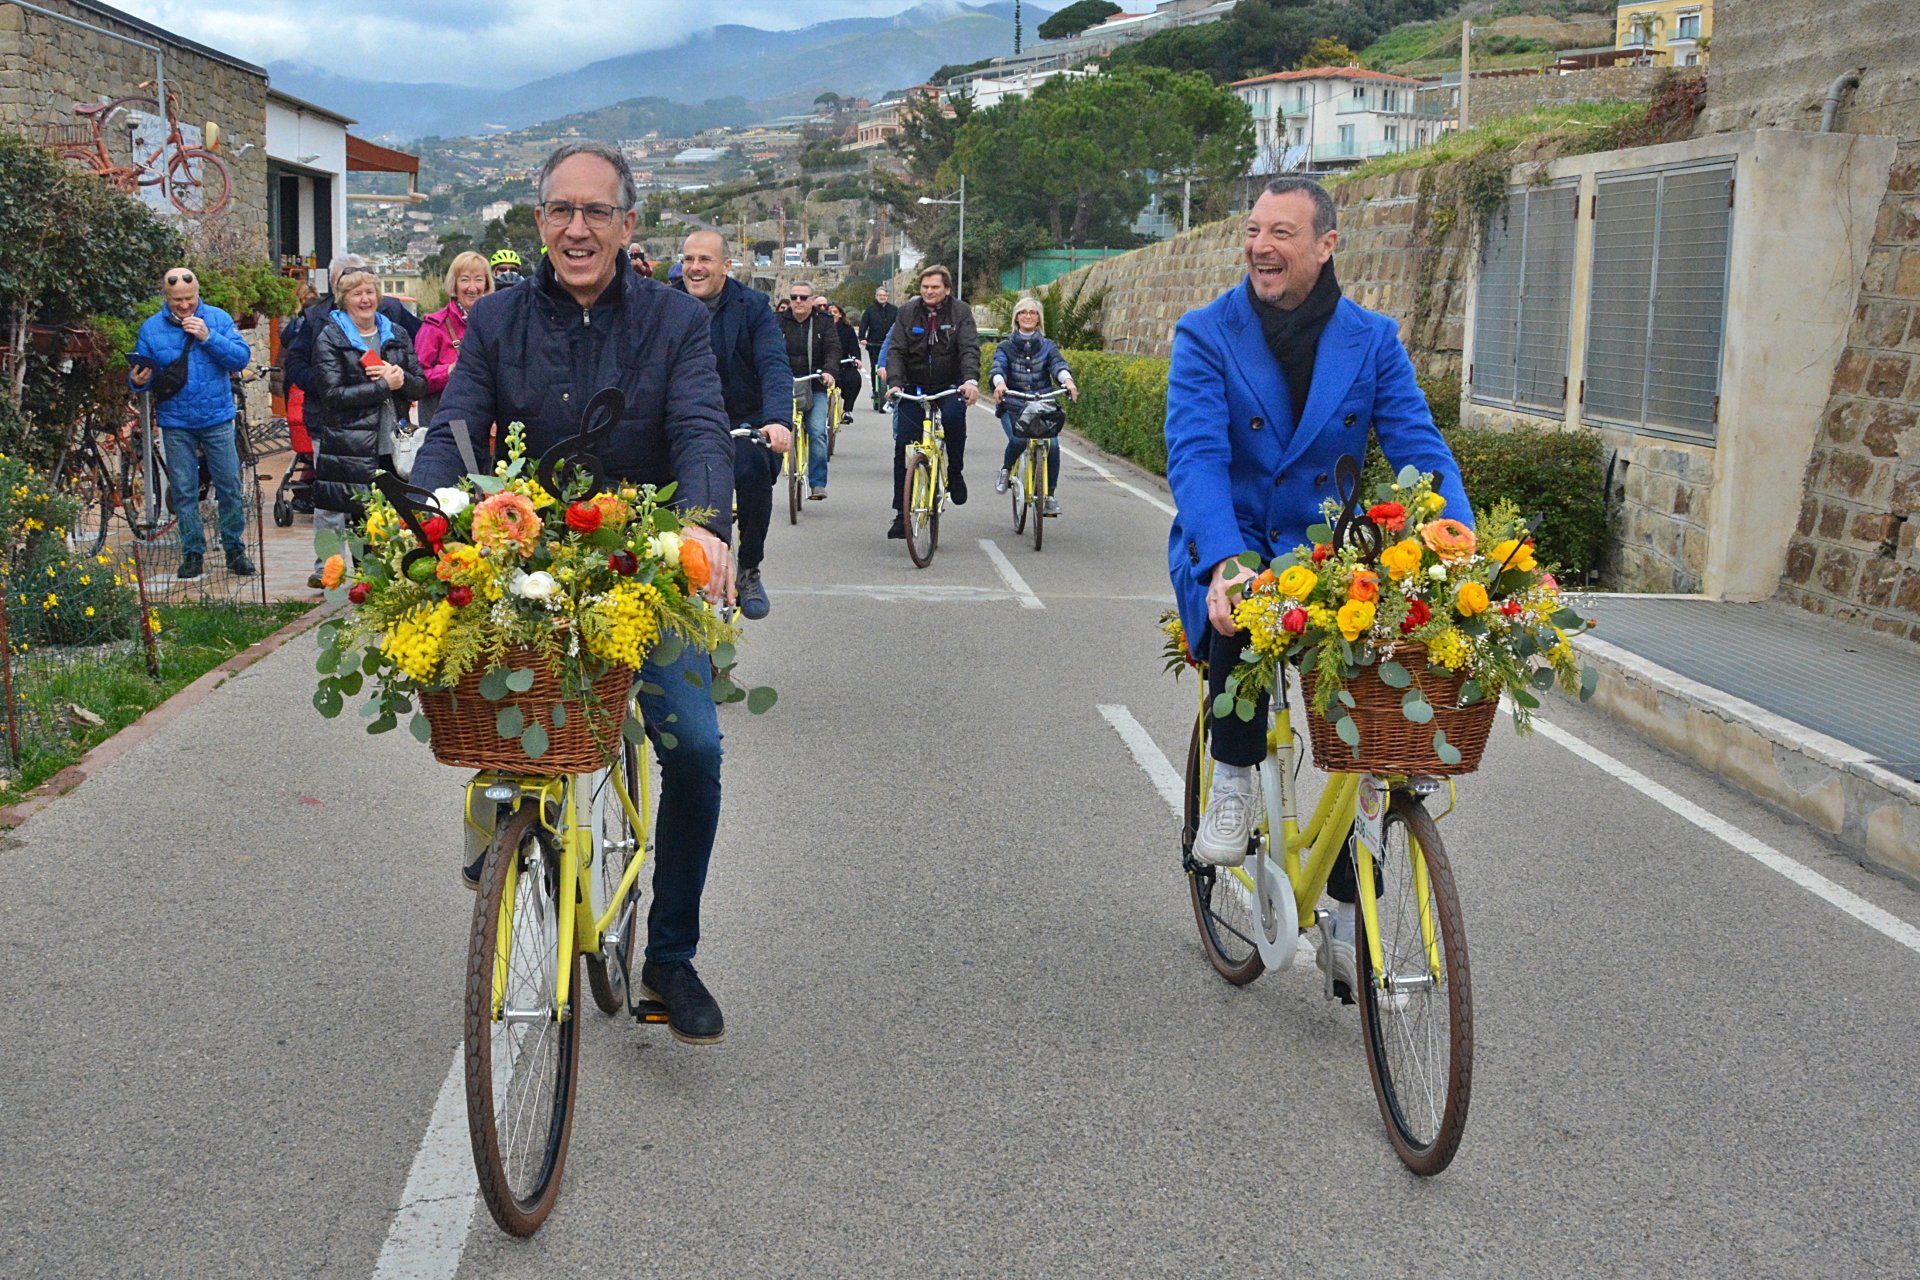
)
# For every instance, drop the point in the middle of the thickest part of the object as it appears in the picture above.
(1269, 385)
(537, 355)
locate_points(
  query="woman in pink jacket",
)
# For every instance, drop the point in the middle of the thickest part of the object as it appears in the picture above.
(438, 345)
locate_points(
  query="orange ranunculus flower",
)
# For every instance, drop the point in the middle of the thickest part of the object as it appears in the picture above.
(1366, 585)
(506, 519)
(693, 561)
(333, 572)
(1390, 516)
(1471, 599)
(1448, 539)
(614, 514)
(1261, 581)
(1402, 559)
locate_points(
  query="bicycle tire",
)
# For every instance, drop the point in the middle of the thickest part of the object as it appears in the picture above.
(1222, 908)
(918, 509)
(519, 1186)
(198, 183)
(1017, 486)
(1422, 1099)
(92, 487)
(795, 462)
(618, 845)
(1037, 465)
(133, 489)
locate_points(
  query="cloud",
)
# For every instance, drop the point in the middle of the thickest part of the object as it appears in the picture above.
(498, 43)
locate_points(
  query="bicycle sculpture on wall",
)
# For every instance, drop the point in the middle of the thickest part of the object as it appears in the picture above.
(117, 142)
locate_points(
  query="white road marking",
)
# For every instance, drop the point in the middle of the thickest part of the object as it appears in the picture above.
(907, 593)
(1765, 854)
(1147, 754)
(1011, 575)
(429, 1230)
(1105, 474)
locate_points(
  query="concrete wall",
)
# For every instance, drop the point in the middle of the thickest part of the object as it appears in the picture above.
(1711, 516)
(1855, 548)
(50, 65)
(1509, 95)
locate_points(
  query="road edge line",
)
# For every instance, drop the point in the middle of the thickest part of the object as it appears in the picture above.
(1010, 575)
(1148, 755)
(435, 1213)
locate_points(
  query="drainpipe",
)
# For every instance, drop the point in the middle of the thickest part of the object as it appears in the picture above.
(1841, 83)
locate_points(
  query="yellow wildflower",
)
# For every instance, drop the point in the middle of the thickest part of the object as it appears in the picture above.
(51, 602)
(1449, 649)
(89, 611)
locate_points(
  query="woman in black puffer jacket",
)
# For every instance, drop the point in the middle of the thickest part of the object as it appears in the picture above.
(366, 373)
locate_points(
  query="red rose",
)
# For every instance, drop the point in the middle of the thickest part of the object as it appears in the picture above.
(459, 597)
(1511, 608)
(623, 562)
(435, 527)
(1390, 516)
(584, 517)
(359, 592)
(1321, 553)
(1417, 616)
(1294, 620)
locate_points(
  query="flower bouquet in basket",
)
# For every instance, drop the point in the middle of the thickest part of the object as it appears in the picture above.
(1408, 627)
(514, 609)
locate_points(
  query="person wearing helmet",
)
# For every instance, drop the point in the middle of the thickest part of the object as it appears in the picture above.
(506, 268)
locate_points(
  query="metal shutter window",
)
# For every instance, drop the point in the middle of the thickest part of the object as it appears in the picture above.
(1657, 309)
(1524, 300)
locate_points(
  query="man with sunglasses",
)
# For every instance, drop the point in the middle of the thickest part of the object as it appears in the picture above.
(537, 354)
(813, 352)
(195, 416)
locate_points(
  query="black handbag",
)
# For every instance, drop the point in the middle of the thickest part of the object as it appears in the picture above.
(1040, 420)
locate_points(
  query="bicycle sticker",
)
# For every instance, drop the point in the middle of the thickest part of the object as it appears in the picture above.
(1369, 798)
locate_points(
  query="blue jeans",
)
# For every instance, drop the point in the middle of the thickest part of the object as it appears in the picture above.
(183, 448)
(817, 440)
(689, 799)
(1016, 445)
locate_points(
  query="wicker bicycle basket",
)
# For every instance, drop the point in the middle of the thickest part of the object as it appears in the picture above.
(1389, 742)
(465, 731)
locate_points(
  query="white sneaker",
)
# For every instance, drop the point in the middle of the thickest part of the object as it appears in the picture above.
(1339, 953)
(1052, 507)
(1001, 481)
(1226, 828)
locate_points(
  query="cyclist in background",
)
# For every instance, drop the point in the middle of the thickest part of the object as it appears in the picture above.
(1030, 362)
(876, 322)
(848, 374)
(813, 351)
(506, 269)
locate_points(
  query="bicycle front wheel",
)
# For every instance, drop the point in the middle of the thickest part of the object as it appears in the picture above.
(92, 487)
(522, 1049)
(1416, 1013)
(1037, 469)
(1222, 903)
(1017, 486)
(796, 468)
(918, 508)
(198, 183)
(609, 971)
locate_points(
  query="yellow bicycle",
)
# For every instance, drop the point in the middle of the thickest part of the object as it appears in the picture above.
(836, 409)
(559, 884)
(923, 490)
(1030, 483)
(1410, 948)
(796, 468)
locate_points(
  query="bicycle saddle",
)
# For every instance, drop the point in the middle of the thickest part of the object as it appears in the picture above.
(90, 108)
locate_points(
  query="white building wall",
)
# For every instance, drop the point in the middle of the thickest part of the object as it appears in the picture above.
(298, 139)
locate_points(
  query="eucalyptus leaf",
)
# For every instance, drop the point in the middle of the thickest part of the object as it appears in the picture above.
(1569, 620)
(664, 521)
(1416, 708)
(493, 685)
(1542, 678)
(1345, 698)
(724, 655)
(327, 702)
(1471, 692)
(1409, 476)
(668, 651)
(559, 715)
(651, 689)
(1448, 753)
(1244, 710)
(329, 542)
(1223, 706)
(328, 662)
(385, 724)
(534, 741)
(375, 570)
(520, 679)
(1349, 730)
(371, 662)
(489, 484)
(761, 700)
(510, 722)
(350, 683)
(633, 731)
(667, 741)
(1320, 534)
(1395, 676)
(1589, 681)
(1525, 699)
(1248, 560)
(368, 710)
(420, 729)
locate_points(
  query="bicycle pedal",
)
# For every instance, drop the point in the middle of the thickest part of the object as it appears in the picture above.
(651, 1011)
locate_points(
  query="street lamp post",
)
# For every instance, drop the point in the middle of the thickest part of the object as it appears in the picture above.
(960, 263)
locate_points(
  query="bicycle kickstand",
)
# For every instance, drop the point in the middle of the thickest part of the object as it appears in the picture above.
(1323, 921)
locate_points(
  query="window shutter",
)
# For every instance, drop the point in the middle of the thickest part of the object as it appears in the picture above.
(1625, 229)
(1546, 298)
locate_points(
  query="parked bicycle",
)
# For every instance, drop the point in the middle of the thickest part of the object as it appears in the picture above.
(117, 469)
(194, 178)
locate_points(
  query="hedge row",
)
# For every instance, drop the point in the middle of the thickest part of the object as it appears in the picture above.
(1123, 406)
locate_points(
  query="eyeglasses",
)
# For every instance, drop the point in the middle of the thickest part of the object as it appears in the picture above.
(597, 215)
(179, 277)
(800, 297)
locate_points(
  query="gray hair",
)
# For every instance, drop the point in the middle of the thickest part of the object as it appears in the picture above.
(805, 284)
(1325, 217)
(1029, 303)
(341, 264)
(629, 194)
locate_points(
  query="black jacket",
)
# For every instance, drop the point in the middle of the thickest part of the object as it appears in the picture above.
(346, 445)
(933, 353)
(297, 339)
(751, 355)
(825, 356)
(876, 322)
(849, 343)
(534, 355)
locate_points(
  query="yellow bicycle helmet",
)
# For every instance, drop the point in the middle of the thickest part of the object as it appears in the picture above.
(504, 257)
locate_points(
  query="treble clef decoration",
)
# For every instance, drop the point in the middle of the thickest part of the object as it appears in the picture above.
(1355, 528)
(414, 505)
(582, 451)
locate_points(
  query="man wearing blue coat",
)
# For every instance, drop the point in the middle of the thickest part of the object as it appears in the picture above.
(198, 417)
(1270, 384)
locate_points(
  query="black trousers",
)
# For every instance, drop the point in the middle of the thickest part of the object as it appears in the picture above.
(1234, 741)
(908, 418)
(755, 469)
(849, 380)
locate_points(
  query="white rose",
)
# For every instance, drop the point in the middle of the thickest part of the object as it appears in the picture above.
(534, 586)
(450, 501)
(1438, 573)
(665, 547)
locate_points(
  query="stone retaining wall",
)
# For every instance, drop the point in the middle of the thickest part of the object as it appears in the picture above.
(1511, 95)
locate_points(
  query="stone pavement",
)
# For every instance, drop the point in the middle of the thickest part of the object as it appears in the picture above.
(1813, 716)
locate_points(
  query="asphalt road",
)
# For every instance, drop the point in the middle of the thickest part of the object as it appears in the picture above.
(970, 1029)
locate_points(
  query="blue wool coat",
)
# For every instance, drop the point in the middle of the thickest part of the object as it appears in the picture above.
(1245, 475)
(207, 399)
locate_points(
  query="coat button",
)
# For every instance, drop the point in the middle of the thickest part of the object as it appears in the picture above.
(1320, 479)
(1274, 534)
(566, 395)
(1256, 424)
(1352, 418)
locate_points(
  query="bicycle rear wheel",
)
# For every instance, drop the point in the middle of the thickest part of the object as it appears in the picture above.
(1416, 1015)
(198, 183)
(91, 486)
(1222, 904)
(609, 971)
(918, 508)
(522, 1052)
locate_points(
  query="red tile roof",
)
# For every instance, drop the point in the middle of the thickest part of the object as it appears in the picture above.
(1325, 73)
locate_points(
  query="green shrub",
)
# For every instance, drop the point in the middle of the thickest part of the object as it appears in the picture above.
(55, 595)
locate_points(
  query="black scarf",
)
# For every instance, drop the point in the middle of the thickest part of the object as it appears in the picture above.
(1294, 336)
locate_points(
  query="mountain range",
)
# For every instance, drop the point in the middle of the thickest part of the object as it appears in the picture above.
(777, 72)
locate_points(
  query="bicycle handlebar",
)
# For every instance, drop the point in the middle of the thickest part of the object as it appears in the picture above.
(894, 393)
(1055, 394)
(754, 434)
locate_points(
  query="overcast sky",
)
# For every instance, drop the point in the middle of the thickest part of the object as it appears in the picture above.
(492, 42)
